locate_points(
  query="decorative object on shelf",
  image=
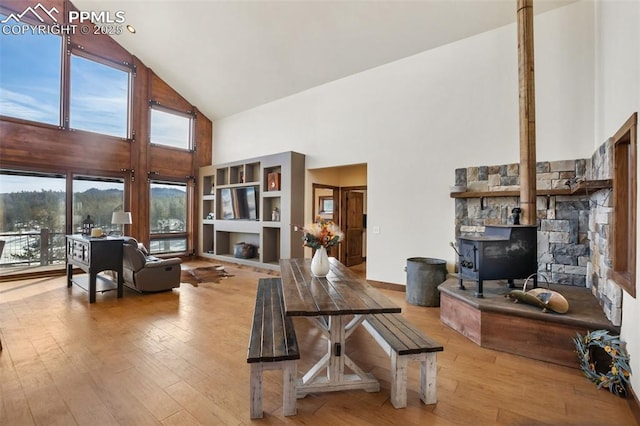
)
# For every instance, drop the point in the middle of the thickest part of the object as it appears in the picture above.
(320, 263)
(516, 215)
(275, 215)
(321, 235)
(604, 360)
(244, 251)
(273, 182)
(97, 232)
(87, 225)
(458, 188)
(121, 218)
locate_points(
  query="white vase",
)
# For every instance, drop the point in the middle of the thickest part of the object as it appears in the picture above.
(320, 263)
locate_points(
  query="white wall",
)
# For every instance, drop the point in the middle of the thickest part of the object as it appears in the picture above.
(617, 97)
(414, 121)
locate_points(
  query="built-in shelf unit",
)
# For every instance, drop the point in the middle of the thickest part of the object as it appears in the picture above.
(255, 201)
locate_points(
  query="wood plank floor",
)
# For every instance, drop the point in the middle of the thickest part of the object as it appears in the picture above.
(179, 358)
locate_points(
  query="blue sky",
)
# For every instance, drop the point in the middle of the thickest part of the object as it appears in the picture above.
(30, 85)
(30, 76)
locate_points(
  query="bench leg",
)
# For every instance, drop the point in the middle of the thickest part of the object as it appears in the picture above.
(428, 373)
(289, 373)
(398, 380)
(256, 390)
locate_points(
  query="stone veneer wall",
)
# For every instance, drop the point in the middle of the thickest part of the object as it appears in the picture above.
(573, 231)
(599, 268)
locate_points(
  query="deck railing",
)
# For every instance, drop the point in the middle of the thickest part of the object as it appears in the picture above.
(33, 248)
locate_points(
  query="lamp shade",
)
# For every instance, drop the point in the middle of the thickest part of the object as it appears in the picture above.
(121, 218)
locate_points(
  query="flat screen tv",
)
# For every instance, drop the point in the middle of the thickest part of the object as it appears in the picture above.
(240, 203)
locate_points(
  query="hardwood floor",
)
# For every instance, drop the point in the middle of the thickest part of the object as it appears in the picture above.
(179, 358)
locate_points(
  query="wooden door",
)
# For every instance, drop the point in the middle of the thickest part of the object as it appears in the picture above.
(354, 228)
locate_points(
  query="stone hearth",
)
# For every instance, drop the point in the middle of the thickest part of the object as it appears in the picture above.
(497, 322)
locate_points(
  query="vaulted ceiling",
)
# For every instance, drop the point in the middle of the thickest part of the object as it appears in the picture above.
(229, 56)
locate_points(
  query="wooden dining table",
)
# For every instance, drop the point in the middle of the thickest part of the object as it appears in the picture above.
(336, 304)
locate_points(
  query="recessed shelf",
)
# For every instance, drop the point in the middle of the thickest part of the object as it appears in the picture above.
(239, 185)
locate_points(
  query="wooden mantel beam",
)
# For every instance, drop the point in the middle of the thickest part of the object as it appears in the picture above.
(527, 112)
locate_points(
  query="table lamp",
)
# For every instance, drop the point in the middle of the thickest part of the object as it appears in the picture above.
(121, 218)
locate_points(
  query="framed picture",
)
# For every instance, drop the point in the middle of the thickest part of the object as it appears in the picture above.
(226, 204)
(273, 182)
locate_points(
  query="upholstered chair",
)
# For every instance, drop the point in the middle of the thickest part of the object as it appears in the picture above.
(145, 273)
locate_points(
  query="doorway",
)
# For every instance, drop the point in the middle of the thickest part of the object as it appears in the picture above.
(340, 194)
(326, 202)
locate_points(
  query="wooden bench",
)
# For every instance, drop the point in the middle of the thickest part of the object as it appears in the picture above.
(272, 346)
(403, 342)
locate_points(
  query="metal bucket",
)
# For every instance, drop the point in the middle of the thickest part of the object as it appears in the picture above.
(424, 275)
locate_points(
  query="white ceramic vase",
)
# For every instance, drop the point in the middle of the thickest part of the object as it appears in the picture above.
(320, 263)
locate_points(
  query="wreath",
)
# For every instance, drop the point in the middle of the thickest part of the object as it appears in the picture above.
(604, 360)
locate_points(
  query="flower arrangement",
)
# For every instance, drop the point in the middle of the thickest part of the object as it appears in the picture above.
(614, 375)
(321, 233)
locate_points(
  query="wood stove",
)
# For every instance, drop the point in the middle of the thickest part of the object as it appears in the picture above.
(503, 252)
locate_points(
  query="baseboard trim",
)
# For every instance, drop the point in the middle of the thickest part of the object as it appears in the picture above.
(634, 404)
(388, 286)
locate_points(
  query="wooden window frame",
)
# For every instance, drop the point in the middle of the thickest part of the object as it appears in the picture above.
(624, 205)
(159, 236)
(129, 69)
(190, 115)
(28, 19)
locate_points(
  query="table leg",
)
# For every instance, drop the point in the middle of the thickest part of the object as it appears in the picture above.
(92, 287)
(334, 361)
(335, 371)
(120, 283)
(69, 274)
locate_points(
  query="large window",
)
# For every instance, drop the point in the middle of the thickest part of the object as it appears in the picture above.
(32, 219)
(624, 205)
(99, 100)
(97, 198)
(168, 217)
(33, 214)
(30, 70)
(171, 128)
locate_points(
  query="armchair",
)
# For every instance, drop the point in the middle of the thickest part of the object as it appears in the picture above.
(145, 273)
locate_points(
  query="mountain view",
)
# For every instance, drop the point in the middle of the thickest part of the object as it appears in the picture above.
(27, 216)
